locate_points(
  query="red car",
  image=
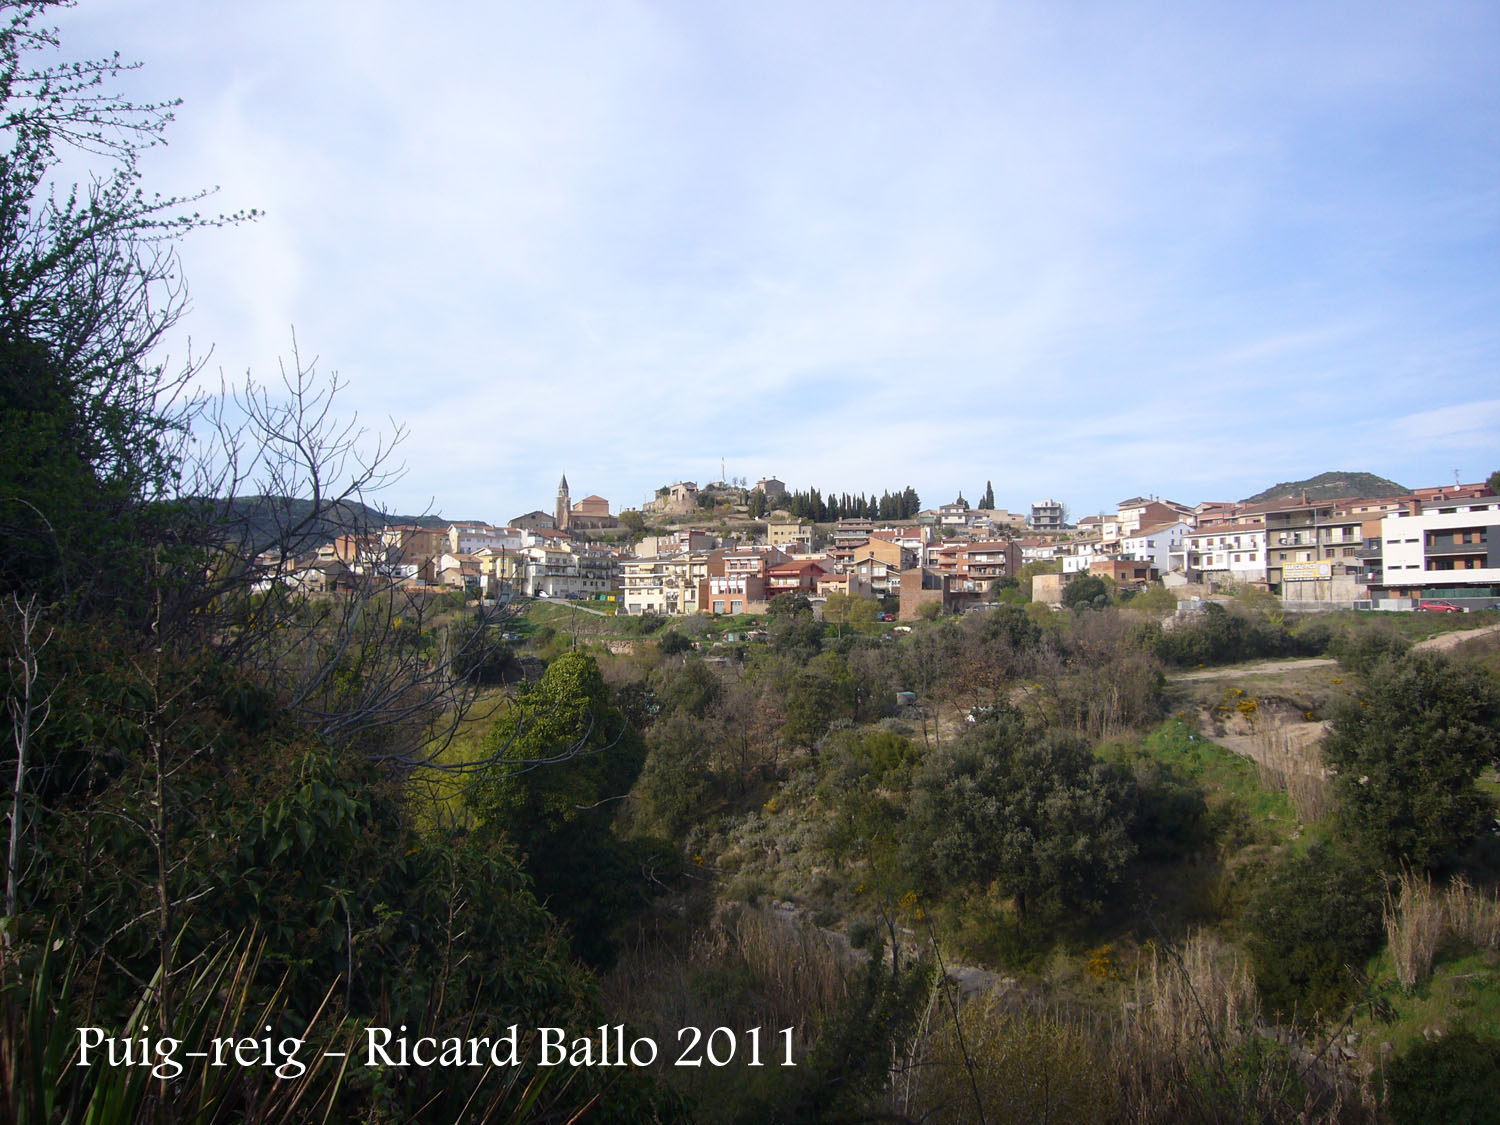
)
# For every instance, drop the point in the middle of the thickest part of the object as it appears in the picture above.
(1439, 607)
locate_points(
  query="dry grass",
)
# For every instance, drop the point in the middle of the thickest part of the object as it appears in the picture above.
(1294, 765)
(1414, 926)
(1195, 996)
(1185, 1045)
(1472, 915)
(1018, 1062)
(746, 968)
(1418, 919)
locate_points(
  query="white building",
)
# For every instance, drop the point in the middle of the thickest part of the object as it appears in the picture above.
(1234, 552)
(1450, 551)
(1155, 544)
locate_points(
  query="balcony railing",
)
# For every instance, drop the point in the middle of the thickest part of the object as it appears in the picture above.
(1446, 546)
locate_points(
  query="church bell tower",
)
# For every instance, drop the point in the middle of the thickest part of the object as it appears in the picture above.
(564, 505)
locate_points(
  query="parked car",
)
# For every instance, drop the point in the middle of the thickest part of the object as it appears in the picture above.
(1440, 607)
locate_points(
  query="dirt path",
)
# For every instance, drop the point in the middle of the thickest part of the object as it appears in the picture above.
(1452, 640)
(1273, 666)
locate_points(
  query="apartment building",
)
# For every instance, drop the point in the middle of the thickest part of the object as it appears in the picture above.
(732, 593)
(1046, 515)
(646, 586)
(558, 572)
(1143, 511)
(795, 576)
(1314, 549)
(1225, 553)
(1449, 551)
(794, 536)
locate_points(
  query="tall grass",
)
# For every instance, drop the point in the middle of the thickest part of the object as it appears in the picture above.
(1186, 1044)
(1414, 926)
(1472, 915)
(40, 1056)
(1295, 768)
(1194, 996)
(748, 967)
(1418, 919)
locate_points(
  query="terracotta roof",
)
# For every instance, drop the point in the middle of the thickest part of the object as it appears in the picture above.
(1151, 529)
(796, 566)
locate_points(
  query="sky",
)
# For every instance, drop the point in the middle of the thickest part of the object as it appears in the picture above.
(1083, 251)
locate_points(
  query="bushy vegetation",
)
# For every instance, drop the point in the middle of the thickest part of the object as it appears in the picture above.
(1408, 752)
(1312, 920)
(1219, 636)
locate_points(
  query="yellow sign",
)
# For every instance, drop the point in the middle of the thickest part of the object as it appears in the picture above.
(1301, 571)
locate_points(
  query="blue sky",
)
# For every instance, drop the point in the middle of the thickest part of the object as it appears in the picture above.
(1082, 250)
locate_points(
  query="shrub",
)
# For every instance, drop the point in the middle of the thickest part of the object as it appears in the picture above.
(1452, 1080)
(672, 643)
(1084, 591)
(1156, 600)
(1407, 753)
(1360, 650)
(1311, 920)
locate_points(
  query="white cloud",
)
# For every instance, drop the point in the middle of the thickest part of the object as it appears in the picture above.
(1075, 251)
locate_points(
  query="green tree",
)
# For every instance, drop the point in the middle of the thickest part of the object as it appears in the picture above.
(1084, 591)
(91, 422)
(1407, 753)
(1034, 813)
(987, 501)
(560, 761)
(678, 786)
(850, 611)
(826, 690)
(1156, 600)
(787, 604)
(1493, 482)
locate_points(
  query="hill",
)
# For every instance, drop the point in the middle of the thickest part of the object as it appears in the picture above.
(260, 520)
(1331, 486)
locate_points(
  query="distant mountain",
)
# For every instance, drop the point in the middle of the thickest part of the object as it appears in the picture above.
(262, 518)
(1330, 486)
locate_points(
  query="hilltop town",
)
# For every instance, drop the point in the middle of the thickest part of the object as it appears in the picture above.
(730, 548)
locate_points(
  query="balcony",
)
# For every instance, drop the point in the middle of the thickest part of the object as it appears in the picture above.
(1447, 548)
